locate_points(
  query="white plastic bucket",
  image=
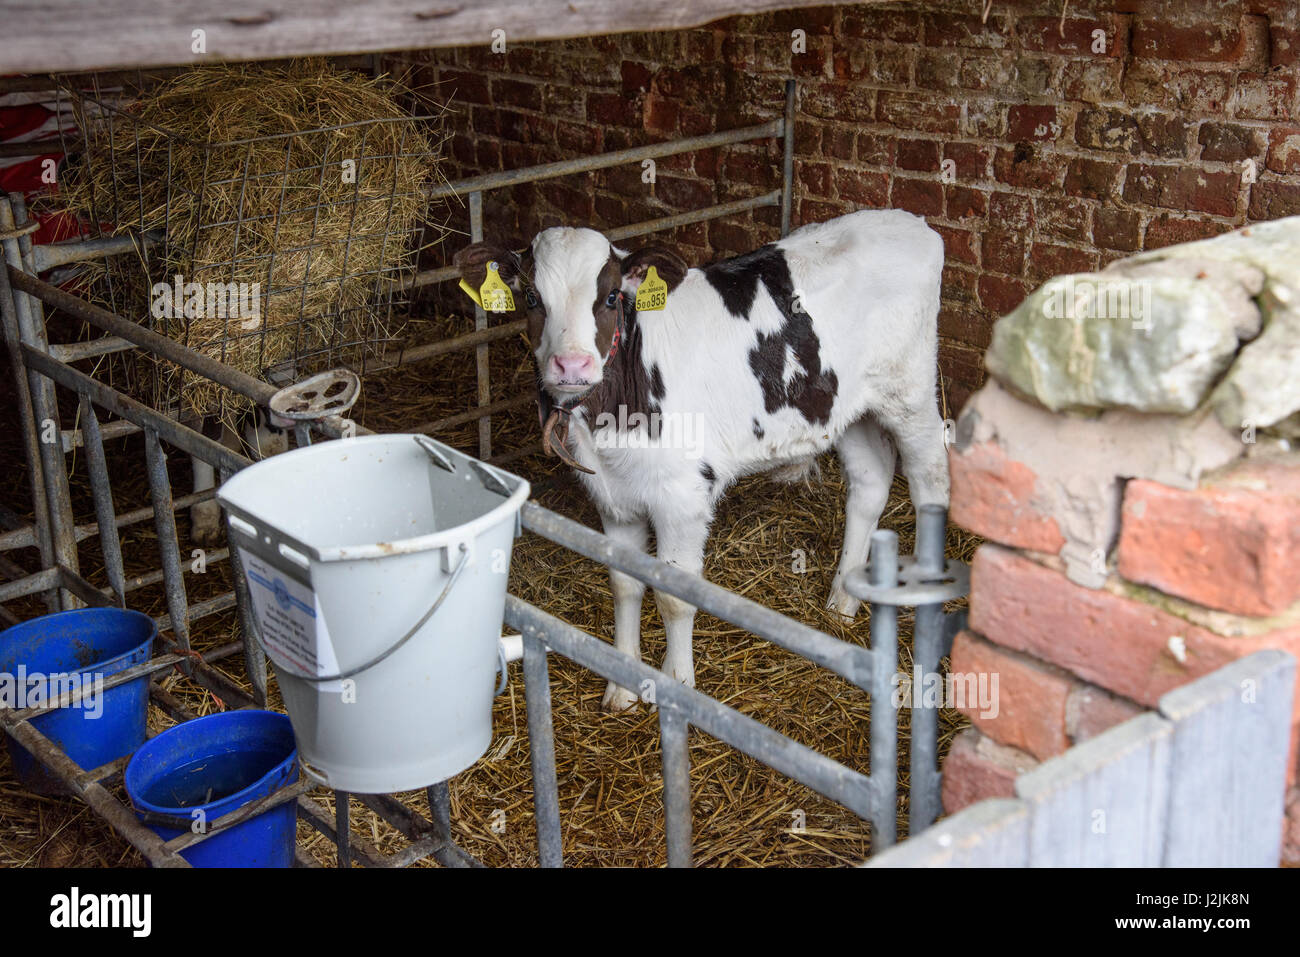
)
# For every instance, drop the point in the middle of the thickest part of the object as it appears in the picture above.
(346, 547)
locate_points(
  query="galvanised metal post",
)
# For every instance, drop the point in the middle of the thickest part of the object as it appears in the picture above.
(882, 568)
(31, 331)
(787, 163)
(480, 324)
(927, 649)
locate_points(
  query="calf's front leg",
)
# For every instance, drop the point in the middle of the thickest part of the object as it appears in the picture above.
(629, 593)
(681, 537)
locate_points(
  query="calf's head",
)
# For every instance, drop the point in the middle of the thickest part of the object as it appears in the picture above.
(567, 286)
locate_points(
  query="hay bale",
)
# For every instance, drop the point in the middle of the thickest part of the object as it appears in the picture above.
(306, 180)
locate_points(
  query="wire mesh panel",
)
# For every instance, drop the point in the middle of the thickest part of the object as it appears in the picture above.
(277, 214)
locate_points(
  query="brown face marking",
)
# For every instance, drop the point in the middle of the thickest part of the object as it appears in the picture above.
(610, 278)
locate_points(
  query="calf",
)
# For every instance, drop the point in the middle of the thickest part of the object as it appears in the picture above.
(756, 364)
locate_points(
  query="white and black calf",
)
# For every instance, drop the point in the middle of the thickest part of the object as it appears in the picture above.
(756, 364)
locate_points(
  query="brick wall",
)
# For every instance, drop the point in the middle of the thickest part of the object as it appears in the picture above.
(1184, 123)
(1200, 576)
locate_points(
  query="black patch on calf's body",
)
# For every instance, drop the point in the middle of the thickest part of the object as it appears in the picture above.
(657, 388)
(812, 389)
(710, 476)
(758, 429)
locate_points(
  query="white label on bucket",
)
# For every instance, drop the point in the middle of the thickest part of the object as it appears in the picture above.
(290, 622)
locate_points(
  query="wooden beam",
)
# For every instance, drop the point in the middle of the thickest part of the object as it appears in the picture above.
(72, 35)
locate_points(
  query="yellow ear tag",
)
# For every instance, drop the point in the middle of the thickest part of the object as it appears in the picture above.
(494, 293)
(653, 292)
(471, 292)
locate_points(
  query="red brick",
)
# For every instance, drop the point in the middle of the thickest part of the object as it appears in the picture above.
(1117, 642)
(1230, 545)
(1028, 710)
(911, 112)
(1034, 123)
(814, 178)
(896, 26)
(978, 768)
(972, 160)
(958, 244)
(1284, 150)
(862, 187)
(876, 149)
(1062, 218)
(612, 109)
(1230, 142)
(958, 284)
(1011, 211)
(1074, 35)
(683, 194)
(919, 155)
(661, 115)
(838, 143)
(1183, 188)
(464, 87)
(1290, 828)
(1029, 167)
(966, 203)
(994, 497)
(922, 197)
(1048, 259)
(1170, 87)
(518, 93)
(1103, 128)
(937, 70)
(1171, 230)
(965, 323)
(1092, 179)
(1156, 37)
(1090, 710)
(1272, 199)
(635, 77)
(1004, 251)
(1119, 229)
(1270, 97)
(952, 30)
(1165, 135)
(1092, 81)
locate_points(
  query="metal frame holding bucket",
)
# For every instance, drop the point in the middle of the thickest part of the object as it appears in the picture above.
(379, 597)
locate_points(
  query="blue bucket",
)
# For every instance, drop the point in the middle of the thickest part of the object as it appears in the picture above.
(65, 650)
(217, 764)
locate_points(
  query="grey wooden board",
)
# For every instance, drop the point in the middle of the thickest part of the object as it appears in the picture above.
(992, 833)
(63, 35)
(1232, 729)
(1103, 803)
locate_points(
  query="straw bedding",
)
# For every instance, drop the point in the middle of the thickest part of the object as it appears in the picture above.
(245, 169)
(609, 765)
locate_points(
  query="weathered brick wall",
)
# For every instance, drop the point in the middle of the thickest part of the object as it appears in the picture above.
(1183, 124)
(1200, 577)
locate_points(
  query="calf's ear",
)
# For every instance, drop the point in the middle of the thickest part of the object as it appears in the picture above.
(669, 266)
(472, 261)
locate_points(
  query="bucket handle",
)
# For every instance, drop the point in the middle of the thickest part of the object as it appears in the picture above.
(451, 582)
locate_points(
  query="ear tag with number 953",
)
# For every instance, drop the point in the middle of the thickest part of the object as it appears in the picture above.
(494, 293)
(653, 292)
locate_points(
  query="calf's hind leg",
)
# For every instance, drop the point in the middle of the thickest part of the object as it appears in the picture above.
(868, 460)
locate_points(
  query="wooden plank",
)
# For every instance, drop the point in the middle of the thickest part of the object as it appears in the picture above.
(1232, 729)
(1103, 803)
(69, 35)
(993, 833)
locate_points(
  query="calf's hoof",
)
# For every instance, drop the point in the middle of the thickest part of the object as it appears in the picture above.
(617, 699)
(205, 528)
(843, 604)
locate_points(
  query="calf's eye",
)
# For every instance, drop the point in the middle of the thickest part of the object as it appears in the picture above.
(611, 299)
(530, 297)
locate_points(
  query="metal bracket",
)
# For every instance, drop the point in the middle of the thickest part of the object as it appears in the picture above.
(917, 584)
(317, 397)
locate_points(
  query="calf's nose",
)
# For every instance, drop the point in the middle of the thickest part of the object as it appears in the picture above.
(575, 367)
